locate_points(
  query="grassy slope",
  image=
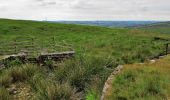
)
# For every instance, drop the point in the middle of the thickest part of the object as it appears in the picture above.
(143, 82)
(96, 48)
(162, 27)
(96, 41)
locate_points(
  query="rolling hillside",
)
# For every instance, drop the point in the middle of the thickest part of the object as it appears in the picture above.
(109, 23)
(161, 27)
(98, 51)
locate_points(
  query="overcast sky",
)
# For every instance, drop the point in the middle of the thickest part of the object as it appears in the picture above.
(85, 9)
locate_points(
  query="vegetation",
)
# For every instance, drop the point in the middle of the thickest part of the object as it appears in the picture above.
(98, 51)
(143, 82)
(162, 27)
(4, 94)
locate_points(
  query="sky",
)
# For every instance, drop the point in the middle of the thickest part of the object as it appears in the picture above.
(85, 9)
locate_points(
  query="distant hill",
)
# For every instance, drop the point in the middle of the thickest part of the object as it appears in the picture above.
(161, 27)
(109, 23)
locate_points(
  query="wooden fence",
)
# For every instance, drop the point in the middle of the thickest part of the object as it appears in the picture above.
(33, 46)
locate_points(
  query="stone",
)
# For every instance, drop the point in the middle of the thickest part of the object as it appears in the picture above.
(27, 94)
(141, 63)
(152, 61)
(109, 80)
(12, 90)
(160, 57)
(120, 66)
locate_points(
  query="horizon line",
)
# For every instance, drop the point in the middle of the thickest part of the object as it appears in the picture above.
(84, 20)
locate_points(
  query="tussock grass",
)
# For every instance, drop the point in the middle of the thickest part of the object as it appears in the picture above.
(46, 89)
(68, 78)
(4, 94)
(17, 74)
(65, 80)
(5, 80)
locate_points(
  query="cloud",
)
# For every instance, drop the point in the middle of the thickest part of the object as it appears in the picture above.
(86, 9)
(46, 2)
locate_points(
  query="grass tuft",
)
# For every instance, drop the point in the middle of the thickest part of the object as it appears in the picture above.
(4, 94)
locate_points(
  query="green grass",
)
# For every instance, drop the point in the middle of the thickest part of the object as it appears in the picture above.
(91, 96)
(98, 51)
(88, 40)
(142, 82)
(4, 94)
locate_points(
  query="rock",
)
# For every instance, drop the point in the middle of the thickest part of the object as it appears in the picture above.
(160, 57)
(12, 90)
(120, 67)
(27, 94)
(141, 63)
(24, 88)
(152, 61)
(2, 67)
